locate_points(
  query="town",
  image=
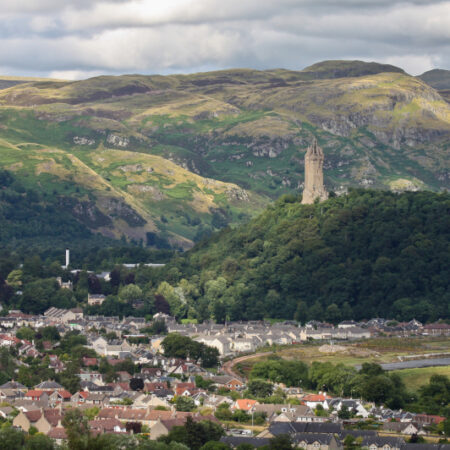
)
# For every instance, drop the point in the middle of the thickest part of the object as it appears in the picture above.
(129, 376)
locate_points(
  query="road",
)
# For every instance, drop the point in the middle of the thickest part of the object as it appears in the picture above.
(416, 364)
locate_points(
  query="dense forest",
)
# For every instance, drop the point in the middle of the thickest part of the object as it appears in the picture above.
(362, 255)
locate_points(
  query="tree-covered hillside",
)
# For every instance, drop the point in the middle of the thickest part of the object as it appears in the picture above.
(366, 254)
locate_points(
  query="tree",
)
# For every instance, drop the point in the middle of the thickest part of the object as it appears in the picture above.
(50, 334)
(260, 388)
(161, 304)
(136, 384)
(194, 434)
(77, 429)
(371, 369)
(184, 403)
(344, 413)
(446, 427)
(130, 293)
(281, 442)
(39, 441)
(11, 438)
(25, 333)
(214, 445)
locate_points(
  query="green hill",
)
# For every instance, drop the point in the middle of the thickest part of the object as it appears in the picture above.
(347, 69)
(363, 255)
(437, 78)
(180, 156)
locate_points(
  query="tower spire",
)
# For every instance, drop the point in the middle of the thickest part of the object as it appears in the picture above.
(314, 187)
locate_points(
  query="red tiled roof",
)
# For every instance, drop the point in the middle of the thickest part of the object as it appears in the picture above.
(151, 387)
(57, 433)
(315, 398)
(245, 404)
(34, 393)
(33, 416)
(105, 424)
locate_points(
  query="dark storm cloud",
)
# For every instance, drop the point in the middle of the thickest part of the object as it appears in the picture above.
(84, 37)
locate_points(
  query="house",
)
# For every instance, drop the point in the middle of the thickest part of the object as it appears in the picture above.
(354, 406)
(79, 397)
(221, 343)
(284, 413)
(93, 377)
(157, 386)
(236, 441)
(10, 395)
(14, 385)
(436, 329)
(27, 419)
(109, 425)
(58, 434)
(228, 382)
(89, 362)
(6, 412)
(95, 299)
(382, 443)
(403, 428)
(277, 428)
(42, 419)
(35, 394)
(316, 441)
(49, 386)
(428, 419)
(244, 404)
(63, 315)
(61, 396)
(312, 400)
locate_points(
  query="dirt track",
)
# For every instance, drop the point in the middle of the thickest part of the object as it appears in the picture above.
(228, 366)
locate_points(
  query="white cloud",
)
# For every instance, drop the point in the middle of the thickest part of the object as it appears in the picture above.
(82, 37)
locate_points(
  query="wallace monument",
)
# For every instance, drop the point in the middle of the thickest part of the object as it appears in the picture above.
(314, 187)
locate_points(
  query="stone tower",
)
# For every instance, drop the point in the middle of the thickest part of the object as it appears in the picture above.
(314, 187)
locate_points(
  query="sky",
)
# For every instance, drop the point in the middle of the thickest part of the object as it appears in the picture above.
(75, 39)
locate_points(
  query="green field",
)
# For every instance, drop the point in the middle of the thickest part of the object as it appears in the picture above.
(414, 378)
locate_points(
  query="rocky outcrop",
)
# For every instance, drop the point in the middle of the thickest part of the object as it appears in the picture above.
(118, 141)
(81, 140)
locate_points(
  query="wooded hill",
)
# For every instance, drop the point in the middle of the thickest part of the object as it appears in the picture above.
(362, 255)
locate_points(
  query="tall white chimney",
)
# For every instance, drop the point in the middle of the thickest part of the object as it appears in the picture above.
(67, 257)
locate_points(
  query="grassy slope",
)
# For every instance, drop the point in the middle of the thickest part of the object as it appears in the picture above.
(414, 378)
(241, 126)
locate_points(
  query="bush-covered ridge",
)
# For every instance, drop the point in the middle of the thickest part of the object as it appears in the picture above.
(366, 254)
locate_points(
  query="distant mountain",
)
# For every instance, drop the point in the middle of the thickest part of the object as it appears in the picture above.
(169, 159)
(347, 69)
(437, 78)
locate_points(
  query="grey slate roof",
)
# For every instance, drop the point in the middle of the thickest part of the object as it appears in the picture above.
(234, 441)
(304, 427)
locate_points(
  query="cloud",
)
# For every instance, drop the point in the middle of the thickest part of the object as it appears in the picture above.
(84, 37)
